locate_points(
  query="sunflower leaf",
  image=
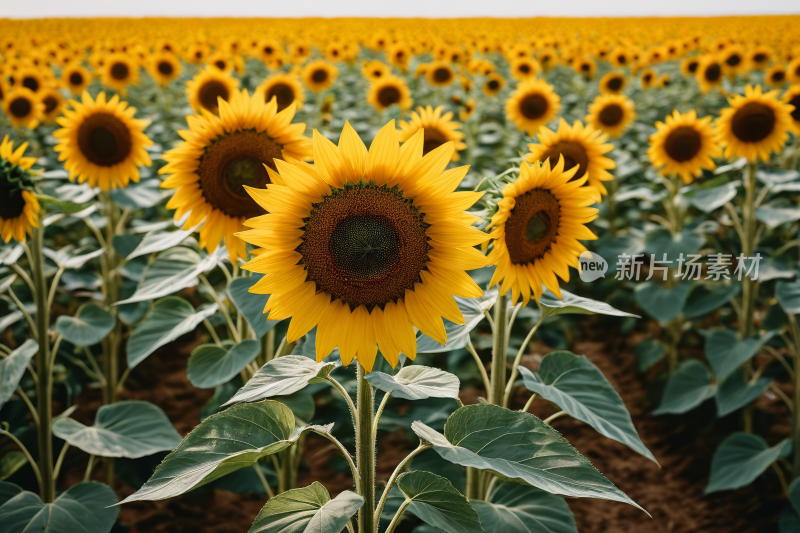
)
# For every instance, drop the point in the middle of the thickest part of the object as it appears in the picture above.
(417, 382)
(281, 377)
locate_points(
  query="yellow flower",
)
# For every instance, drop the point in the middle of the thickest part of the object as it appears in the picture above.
(318, 75)
(118, 72)
(23, 107)
(493, 85)
(387, 91)
(207, 87)
(648, 79)
(684, 145)
(775, 76)
(286, 89)
(76, 78)
(709, 73)
(792, 97)
(613, 83)
(19, 208)
(534, 103)
(439, 129)
(440, 74)
(611, 113)
(164, 68)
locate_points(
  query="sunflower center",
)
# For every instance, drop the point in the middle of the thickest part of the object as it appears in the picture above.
(165, 68)
(713, 72)
(12, 204)
(753, 122)
(31, 83)
(119, 71)
(50, 103)
(760, 58)
(532, 226)
(104, 139)
(622, 59)
(388, 95)
(76, 78)
(442, 75)
(283, 93)
(319, 75)
(230, 163)
(611, 115)
(574, 154)
(365, 245)
(533, 106)
(796, 103)
(692, 66)
(778, 76)
(524, 68)
(20, 107)
(614, 84)
(733, 60)
(433, 139)
(683, 143)
(209, 92)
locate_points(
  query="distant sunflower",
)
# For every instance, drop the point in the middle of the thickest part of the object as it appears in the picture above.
(493, 85)
(164, 68)
(759, 57)
(76, 78)
(524, 68)
(318, 75)
(118, 72)
(755, 125)
(220, 61)
(399, 55)
(620, 57)
(207, 86)
(792, 97)
(387, 91)
(269, 50)
(373, 70)
(793, 70)
(537, 227)
(366, 245)
(611, 113)
(613, 83)
(709, 73)
(580, 146)
(689, 66)
(684, 146)
(101, 143)
(223, 154)
(534, 103)
(23, 107)
(31, 78)
(733, 61)
(19, 208)
(53, 104)
(648, 78)
(285, 88)
(439, 129)
(548, 58)
(196, 53)
(775, 76)
(440, 74)
(586, 67)
(469, 109)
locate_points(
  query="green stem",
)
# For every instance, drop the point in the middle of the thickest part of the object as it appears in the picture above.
(749, 288)
(365, 452)
(498, 351)
(397, 471)
(398, 515)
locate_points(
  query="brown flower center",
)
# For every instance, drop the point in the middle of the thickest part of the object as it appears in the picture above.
(533, 106)
(320, 75)
(231, 162)
(574, 154)
(442, 75)
(283, 93)
(683, 143)
(119, 71)
(614, 84)
(31, 83)
(692, 66)
(104, 139)
(12, 204)
(532, 226)
(611, 115)
(493, 85)
(50, 103)
(760, 58)
(733, 60)
(388, 95)
(524, 68)
(753, 122)
(365, 245)
(165, 68)
(778, 76)
(20, 107)
(795, 101)
(713, 72)
(209, 92)
(76, 78)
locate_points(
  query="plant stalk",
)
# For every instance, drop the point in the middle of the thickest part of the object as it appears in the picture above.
(498, 351)
(365, 452)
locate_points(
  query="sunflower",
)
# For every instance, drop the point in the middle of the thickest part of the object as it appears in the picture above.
(534, 103)
(709, 73)
(372, 70)
(269, 50)
(759, 57)
(793, 70)
(19, 208)
(586, 67)
(613, 83)
(755, 125)
(224, 153)
(399, 55)
(220, 61)
(118, 72)
(524, 68)
(611, 113)
(440, 74)
(689, 66)
(53, 104)
(386, 92)
(548, 58)
(580, 146)
(792, 97)
(684, 145)
(207, 87)
(196, 53)
(733, 61)
(299, 50)
(775, 76)
(23, 107)
(76, 78)
(469, 108)
(101, 143)
(285, 88)
(31, 78)
(439, 129)
(620, 57)
(318, 75)
(164, 68)
(648, 78)
(493, 85)
(536, 229)
(366, 245)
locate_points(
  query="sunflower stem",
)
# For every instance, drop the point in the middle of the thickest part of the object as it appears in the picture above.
(499, 351)
(749, 287)
(365, 452)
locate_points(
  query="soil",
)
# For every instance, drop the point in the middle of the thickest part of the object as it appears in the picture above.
(672, 494)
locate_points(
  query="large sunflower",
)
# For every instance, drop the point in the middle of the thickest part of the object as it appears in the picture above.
(318, 75)
(684, 145)
(207, 86)
(755, 125)
(580, 146)
(23, 107)
(101, 143)
(387, 91)
(611, 113)
(366, 245)
(534, 103)
(19, 208)
(285, 88)
(76, 78)
(536, 229)
(222, 154)
(792, 97)
(118, 72)
(439, 129)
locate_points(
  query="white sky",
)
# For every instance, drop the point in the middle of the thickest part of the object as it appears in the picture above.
(389, 8)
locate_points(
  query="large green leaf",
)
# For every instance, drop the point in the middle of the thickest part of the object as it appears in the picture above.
(725, 352)
(159, 240)
(11, 462)
(708, 297)
(10, 319)
(308, 509)
(83, 508)
(774, 216)
(707, 200)
(648, 352)
(515, 508)
(576, 305)
(518, 446)
(689, 386)
(171, 317)
(735, 392)
(251, 305)
(129, 429)
(661, 241)
(211, 365)
(65, 258)
(282, 376)
(141, 195)
(223, 443)
(662, 303)
(417, 382)
(788, 295)
(472, 310)
(88, 327)
(12, 368)
(740, 459)
(579, 388)
(436, 502)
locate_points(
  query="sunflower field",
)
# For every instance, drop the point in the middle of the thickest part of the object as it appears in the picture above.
(389, 275)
